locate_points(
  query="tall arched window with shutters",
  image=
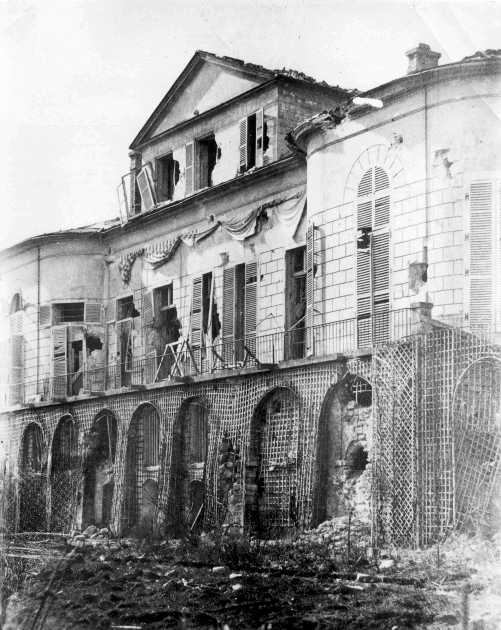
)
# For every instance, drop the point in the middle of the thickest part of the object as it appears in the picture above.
(373, 257)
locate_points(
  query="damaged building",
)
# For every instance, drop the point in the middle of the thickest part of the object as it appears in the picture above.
(297, 317)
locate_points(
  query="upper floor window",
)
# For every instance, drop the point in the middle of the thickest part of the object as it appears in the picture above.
(68, 312)
(254, 141)
(126, 308)
(167, 176)
(207, 155)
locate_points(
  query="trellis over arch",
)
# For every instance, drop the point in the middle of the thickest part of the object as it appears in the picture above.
(383, 156)
(142, 469)
(65, 474)
(272, 463)
(189, 469)
(32, 479)
(475, 418)
(99, 459)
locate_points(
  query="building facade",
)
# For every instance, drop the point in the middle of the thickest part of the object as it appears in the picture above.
(296, 306)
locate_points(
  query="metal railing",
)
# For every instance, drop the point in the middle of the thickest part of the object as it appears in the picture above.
(183, 360)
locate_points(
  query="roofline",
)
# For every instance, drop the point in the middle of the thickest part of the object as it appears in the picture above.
(407, 83)
(41, 239)
(269, 77)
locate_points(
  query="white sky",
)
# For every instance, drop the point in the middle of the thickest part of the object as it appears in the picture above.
(81, 77)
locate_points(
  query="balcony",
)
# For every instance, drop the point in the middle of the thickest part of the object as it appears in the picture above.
(182, 361)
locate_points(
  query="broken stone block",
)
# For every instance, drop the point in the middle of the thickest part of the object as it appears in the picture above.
(90, 530)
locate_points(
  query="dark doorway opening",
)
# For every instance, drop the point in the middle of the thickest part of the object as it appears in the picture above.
(64, 475)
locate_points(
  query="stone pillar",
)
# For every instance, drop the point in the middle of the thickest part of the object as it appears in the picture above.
(421, 317)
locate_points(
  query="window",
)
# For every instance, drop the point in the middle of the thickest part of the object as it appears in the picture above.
(207, 155)
(373, 257)
(239, 310)
(295, 302)
(167, 170)
(67, 313)
(162, 297)
(126, 308)
(254, 141)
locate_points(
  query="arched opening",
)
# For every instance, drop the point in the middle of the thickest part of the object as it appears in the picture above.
(271, 470)
(189, 467)
(476, 414)
(63, 475)
(142, 469)
(99, 462)
(32, 478)
(341, 449)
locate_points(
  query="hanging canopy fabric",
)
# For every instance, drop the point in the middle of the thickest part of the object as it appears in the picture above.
(126, 262)
(241, 228)
(193, 238)
(287, 215)
(158, 254)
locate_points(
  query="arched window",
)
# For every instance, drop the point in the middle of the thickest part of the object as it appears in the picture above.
(373, 256)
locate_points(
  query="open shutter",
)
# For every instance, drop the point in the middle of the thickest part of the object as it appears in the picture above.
(189, 170)
(310, 288)
(250, 305)
(45, 315)
(481, 300)
(228, 331)
(145, 189)
(147, 309)
(59, 361)
(93, 312)
(259, 137)
(196, 313)
(243, 145)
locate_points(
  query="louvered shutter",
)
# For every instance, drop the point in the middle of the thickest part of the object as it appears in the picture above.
(364, 215)
(45, 315)
(364, 298)
(259, 137)
(381, 320)
(145, 189)
(481, 254)
(228, 331)
(16, 371)
(147, 309)
(382, 211)
(196, 313)
(365, 186)
(59, 361)
(189, 169)
(93, 312)
(381, 181)
(243, 145)
(250, 305)
(381, 262)
(310, 288)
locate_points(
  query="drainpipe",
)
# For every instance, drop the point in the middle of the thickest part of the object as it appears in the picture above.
(427, 185)
(38, 316)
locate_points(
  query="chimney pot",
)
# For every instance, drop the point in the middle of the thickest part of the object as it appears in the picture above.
(422, 58)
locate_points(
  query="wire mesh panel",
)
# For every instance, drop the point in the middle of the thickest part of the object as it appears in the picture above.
(65, 475)
(32, 481)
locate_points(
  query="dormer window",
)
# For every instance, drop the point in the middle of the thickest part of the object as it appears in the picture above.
(167, 172)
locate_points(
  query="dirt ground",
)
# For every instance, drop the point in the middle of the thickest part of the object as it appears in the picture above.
(233, 583)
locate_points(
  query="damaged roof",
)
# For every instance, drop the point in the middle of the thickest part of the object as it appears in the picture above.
(262, 74)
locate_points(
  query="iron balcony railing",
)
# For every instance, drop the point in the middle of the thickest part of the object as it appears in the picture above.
(183, 360)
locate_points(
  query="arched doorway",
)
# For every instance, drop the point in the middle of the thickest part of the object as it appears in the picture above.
(476, 414)
(272, 462)
(63, 475)
(99, 463)
(189, 466)
(32, 480)
(142, 469)
(341, 448)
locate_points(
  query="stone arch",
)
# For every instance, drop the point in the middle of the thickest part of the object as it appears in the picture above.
(142, 469)
(99, 469)
(32, 480)
(343, 426)
(476, 425)
(272, 464)
(64, 474)
(189, 465)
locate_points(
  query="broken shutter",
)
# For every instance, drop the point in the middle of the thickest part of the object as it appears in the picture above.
(59, 360)
(93, 312)
(228, 313)
(250, 305)
(189, 170)
(481, 254)
(243, 145)
(310, 289)
(145, 189)
(259, 137)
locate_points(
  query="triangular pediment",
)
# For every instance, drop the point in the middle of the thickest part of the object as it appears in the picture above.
(206, 82)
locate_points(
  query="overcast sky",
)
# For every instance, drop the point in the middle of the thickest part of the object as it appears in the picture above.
(82, 77)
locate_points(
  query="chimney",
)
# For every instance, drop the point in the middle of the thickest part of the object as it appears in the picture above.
(421, 58)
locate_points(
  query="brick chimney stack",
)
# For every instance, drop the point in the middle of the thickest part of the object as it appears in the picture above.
(421, 58)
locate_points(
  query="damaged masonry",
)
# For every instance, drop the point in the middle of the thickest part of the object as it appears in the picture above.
(295, 319)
